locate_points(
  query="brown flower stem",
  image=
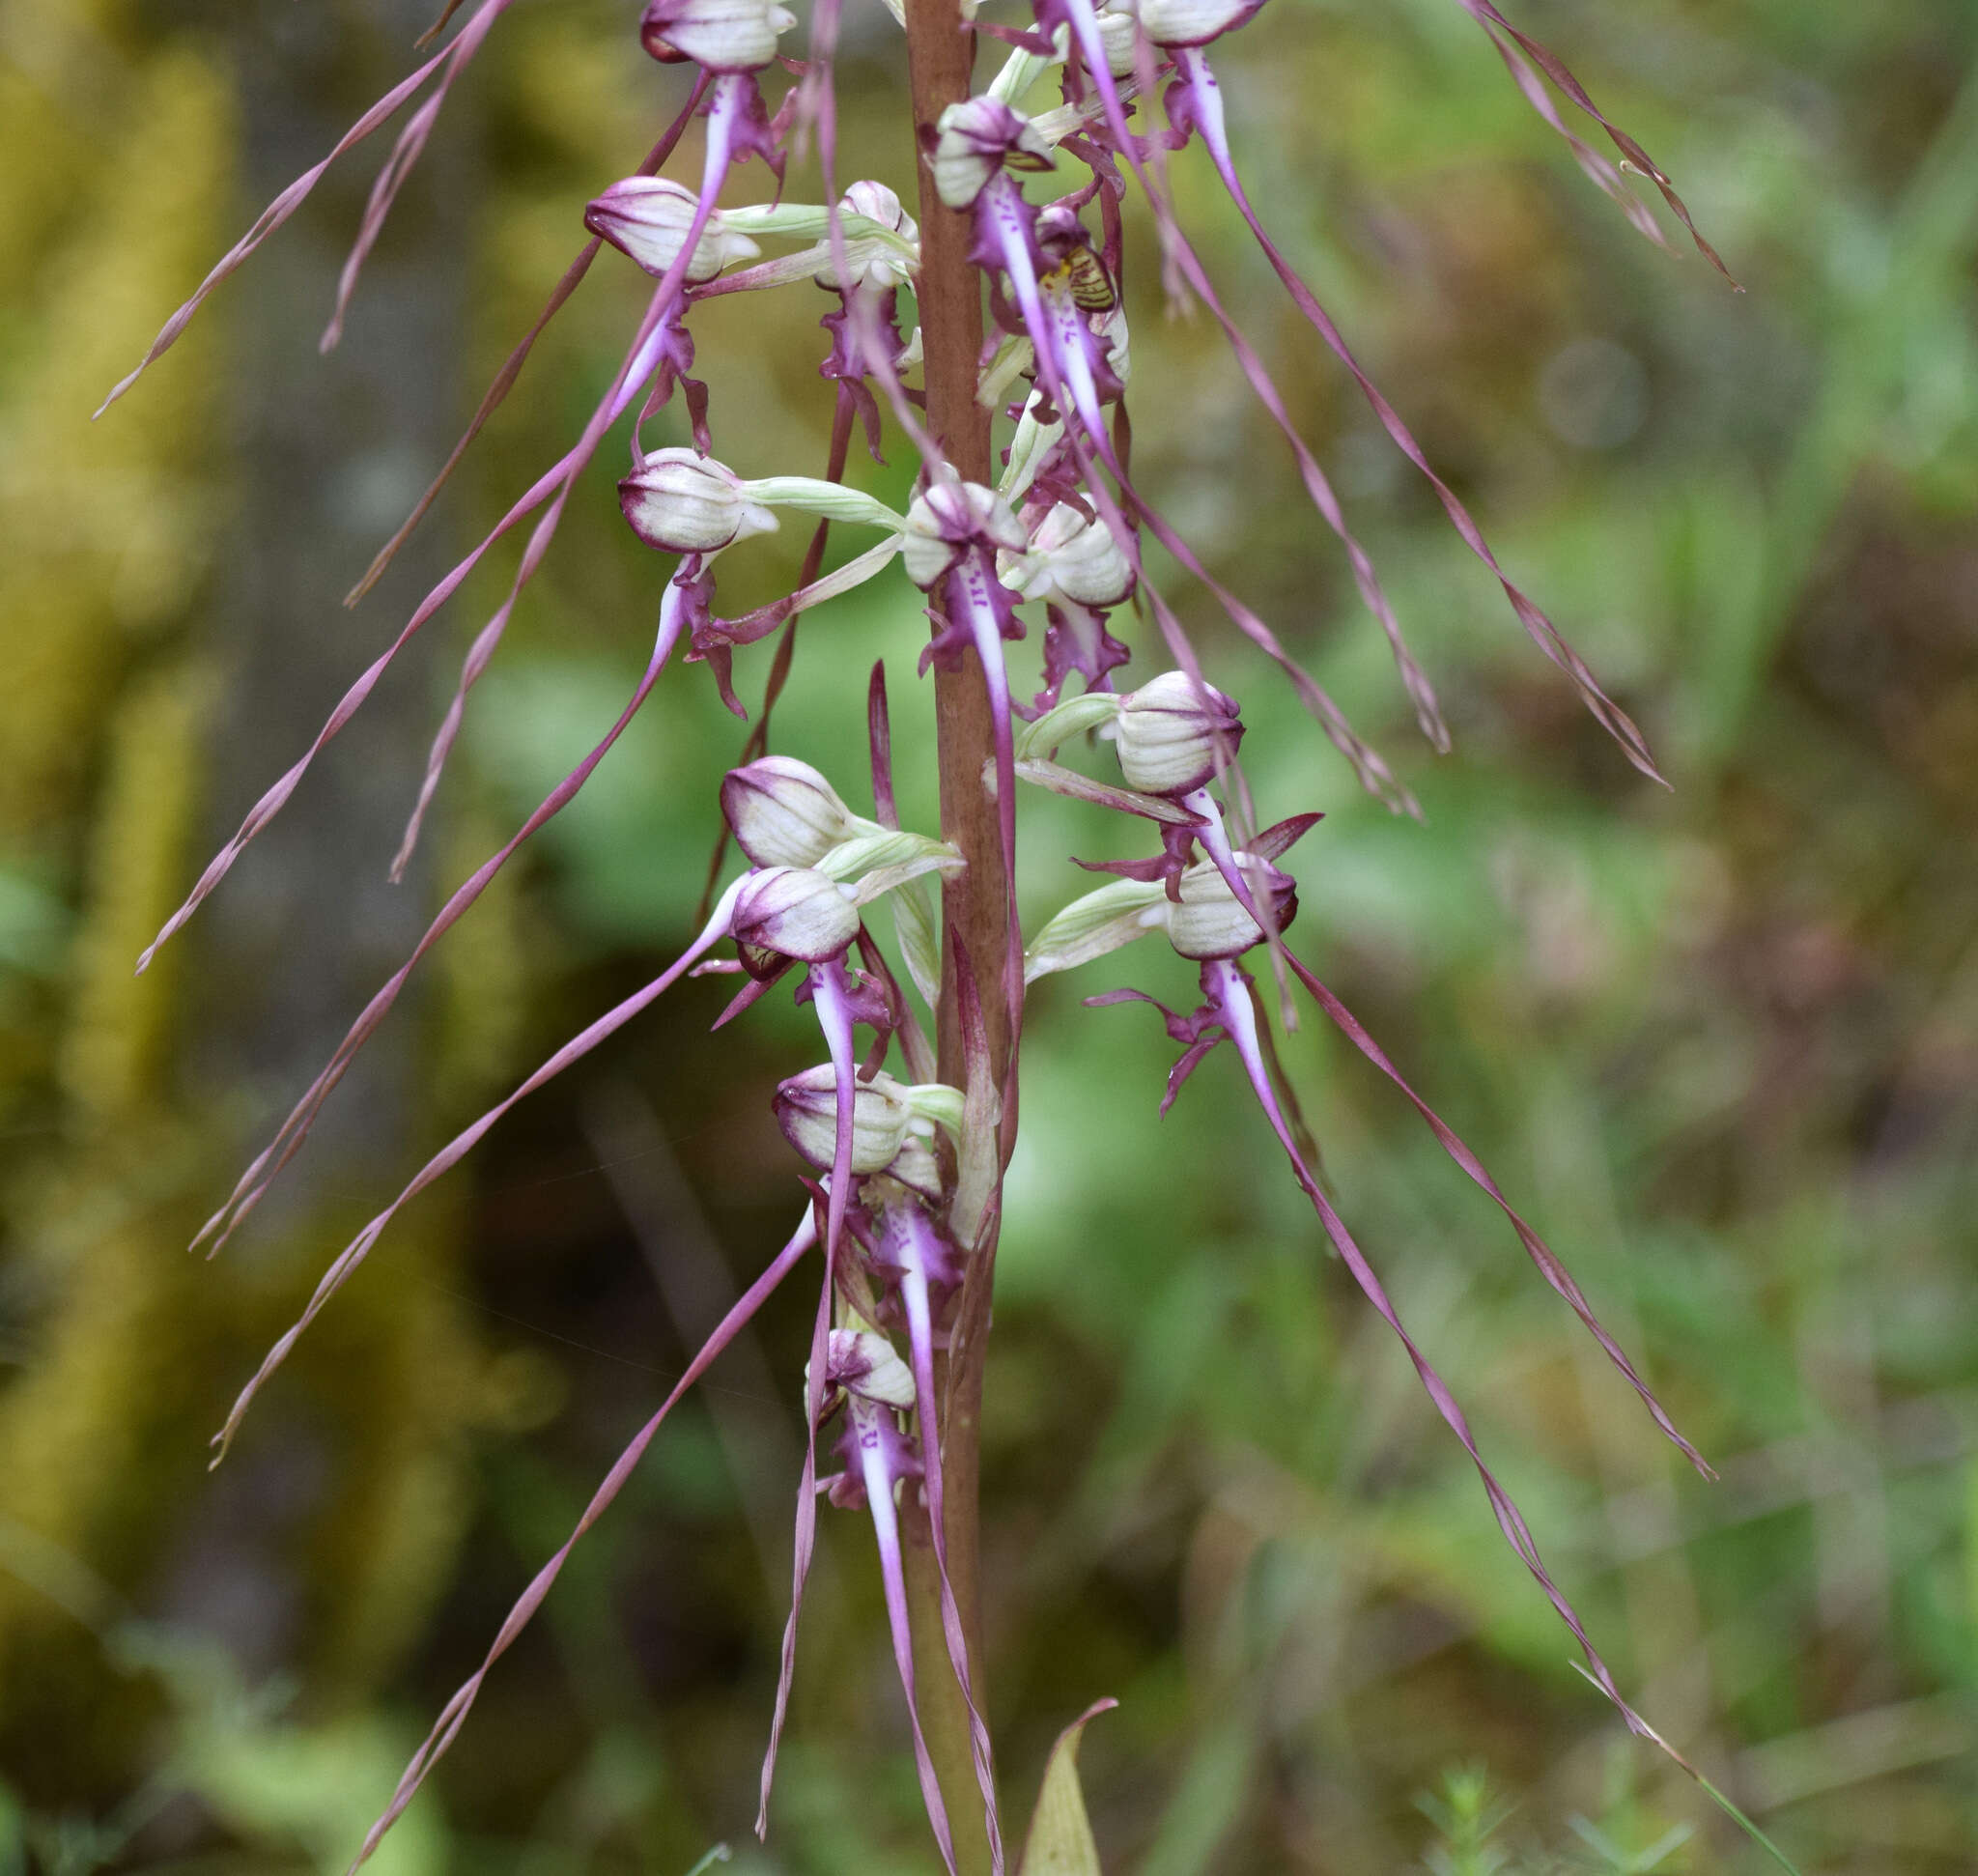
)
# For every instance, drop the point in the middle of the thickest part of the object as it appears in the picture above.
(974, 905)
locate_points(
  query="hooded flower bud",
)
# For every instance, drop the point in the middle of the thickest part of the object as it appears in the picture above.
(1210, 920)
(1174, 734)
(806, 1109)
(1194, 22)
(946, 518)
(786, 912)
(785, 814)
(871, 264)
(720, 35)
(864, 1363)
(648, 218)
(975, 139)
(1070, 556)
(680, 501)
(1116, 35)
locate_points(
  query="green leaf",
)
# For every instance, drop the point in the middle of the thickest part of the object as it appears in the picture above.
(1060, 1840)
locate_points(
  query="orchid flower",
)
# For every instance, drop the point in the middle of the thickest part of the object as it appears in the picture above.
(903, 1173)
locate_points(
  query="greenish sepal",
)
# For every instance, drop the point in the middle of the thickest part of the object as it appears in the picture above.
(1054, 126)
(883, 880)
(936, 1101)
(1064, 721)
(1097, 923)
(1026, 449)
(1022, 69)
(876, 847)
(811, 221)
(816, 497)
(1013, 357)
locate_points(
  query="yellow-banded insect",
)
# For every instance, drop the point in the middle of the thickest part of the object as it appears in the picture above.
(1083, 273)
(1091, 287)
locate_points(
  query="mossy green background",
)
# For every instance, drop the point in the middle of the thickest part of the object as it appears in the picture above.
(1719, 1041)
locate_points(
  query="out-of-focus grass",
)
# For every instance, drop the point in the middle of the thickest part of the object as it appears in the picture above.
(1719, 1043)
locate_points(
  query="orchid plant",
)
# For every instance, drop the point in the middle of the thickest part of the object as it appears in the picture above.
(1008, 380)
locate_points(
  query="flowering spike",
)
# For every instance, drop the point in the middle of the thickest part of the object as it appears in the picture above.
(1063, 528)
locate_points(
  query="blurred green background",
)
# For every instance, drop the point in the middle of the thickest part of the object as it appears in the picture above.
(1720, 1042)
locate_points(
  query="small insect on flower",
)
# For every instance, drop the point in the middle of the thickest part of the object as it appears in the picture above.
(1070, 258)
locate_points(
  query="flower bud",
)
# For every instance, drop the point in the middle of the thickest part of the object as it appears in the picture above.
(783, 813)
(1193, 22)
(807, 1107)
(1174, 734)
(1070, 556)
(1116, 36)
(864, 1362)
(870, 265)
(680, 501)
(718, 35)
(1210, 921)
(786, 912)
(974, 140)
(946, 518)
(648, 217)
